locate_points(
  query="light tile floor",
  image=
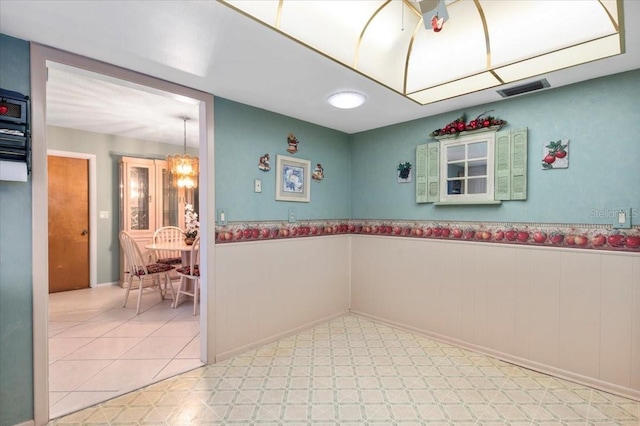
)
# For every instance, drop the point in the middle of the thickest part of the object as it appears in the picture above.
(99, 350)
(351, 371)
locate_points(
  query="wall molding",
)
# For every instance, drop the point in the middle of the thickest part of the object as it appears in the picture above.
(557, 235)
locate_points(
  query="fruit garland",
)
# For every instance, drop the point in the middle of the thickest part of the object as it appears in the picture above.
(460, 125)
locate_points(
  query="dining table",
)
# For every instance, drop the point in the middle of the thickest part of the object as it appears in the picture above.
(180, 246)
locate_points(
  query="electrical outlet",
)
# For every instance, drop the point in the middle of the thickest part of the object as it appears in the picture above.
(257, 185)
(222, 216)
(292, 215)
(622, 219)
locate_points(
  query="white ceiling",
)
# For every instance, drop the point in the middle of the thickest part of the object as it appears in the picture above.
(207, 46)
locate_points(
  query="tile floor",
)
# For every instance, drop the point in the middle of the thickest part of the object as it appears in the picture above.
(351, 371)
(99, 350)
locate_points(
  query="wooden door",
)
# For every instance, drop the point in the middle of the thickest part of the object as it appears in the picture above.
(68, 223)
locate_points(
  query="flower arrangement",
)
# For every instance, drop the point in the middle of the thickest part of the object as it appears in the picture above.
(460, 125)
(191, 221)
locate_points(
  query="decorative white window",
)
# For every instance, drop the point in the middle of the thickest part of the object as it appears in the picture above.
(478, 168)
(466, 174)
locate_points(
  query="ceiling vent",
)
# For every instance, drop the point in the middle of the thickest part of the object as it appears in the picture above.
(524, 88)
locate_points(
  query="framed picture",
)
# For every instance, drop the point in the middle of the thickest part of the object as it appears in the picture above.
(293, 178)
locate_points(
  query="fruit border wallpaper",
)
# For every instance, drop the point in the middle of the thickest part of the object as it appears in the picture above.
(581, 236)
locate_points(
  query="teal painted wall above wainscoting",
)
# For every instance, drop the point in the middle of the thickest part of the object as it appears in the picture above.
(243, 134)
(16, 360)
(599, 117)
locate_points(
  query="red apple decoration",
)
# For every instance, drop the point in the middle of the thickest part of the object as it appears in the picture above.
(255, 233)
(264, 232)
(523, 236)
(616, 240)
(239, 234)
(581, 240)
(397, 230)
(598, 240)
(457, 233)
(247, 233)
(499, 236)
(632, 241)
(511, 235)
(228, 236)
(486, 235)
(446, 232)
(556, 237)
(284, 232)
(468, 234)
(571, 240)
(539, 237)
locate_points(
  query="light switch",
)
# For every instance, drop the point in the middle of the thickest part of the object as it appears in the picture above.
(104, 214)
(257, 185)
(222, 216)
(622, 219)
(292, 215)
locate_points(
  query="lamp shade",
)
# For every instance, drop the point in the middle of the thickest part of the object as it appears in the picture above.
(184, 168)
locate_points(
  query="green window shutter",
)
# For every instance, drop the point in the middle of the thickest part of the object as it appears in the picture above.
(433, 172)
(421, 174)
(519, 164)
(502, 164)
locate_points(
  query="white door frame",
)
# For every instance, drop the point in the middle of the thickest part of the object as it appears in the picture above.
(40, 269)
(93, 222)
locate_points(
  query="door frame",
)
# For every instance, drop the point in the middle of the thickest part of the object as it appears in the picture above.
(39, 56)
(93, 222)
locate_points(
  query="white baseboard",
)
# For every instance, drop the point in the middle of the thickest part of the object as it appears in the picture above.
(242, 349)
(105, 284)
(522, 362)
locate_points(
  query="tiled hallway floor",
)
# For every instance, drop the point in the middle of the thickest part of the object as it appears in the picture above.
(99, 350)
(351, 371)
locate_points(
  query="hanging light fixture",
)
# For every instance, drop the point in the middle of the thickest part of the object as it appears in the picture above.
(183, 168)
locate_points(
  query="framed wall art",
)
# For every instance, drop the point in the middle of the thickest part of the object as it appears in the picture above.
(293, 178)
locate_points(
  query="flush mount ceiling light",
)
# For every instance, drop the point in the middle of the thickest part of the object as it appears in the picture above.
(484, 44)
(346, 99)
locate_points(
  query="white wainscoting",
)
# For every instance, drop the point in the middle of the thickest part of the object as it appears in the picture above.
(268, 289)
(573, 313)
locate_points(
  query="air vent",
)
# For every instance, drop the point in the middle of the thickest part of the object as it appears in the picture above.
(529, 87)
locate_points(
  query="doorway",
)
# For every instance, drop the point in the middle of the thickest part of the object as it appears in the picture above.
(40, 55)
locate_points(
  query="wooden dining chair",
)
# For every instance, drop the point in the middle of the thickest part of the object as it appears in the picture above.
(168, 234)
(190, 272)
(137, 268)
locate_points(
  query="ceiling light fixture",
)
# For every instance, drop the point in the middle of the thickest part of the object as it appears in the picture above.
(484, 44)
(347, 99)
(183, 168)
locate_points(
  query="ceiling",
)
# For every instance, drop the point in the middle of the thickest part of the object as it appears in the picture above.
(208, 46)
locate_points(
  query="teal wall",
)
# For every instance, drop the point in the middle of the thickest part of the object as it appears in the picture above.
(599, 117)
(243, 134)
(16, 350)
(108, 149)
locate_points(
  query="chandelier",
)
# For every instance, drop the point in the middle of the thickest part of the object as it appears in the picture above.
(184, 168)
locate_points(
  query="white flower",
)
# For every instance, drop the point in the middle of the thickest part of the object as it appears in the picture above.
(191, 221)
